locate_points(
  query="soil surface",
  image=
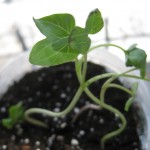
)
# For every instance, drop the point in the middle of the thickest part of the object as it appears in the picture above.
(52, 89)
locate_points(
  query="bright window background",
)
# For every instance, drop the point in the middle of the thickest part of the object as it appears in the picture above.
(126, 22)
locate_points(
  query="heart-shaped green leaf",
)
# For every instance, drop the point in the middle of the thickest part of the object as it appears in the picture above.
(44, 54)
(79, 40)
(94, 22)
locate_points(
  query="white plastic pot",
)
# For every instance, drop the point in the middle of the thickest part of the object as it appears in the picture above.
(15, 69)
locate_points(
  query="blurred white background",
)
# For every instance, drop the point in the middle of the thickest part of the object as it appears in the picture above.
(126, 22)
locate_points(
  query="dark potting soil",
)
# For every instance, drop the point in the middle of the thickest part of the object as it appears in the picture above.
(53, 88)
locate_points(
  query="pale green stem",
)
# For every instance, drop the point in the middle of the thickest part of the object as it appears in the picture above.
(98, 77)
(78, 66)
(49, 113)
(120, 88)
(106, 84)
(106, 45)
(114, 133)
(120, 115)
(113, 110)
(136, 77)
(84, 69)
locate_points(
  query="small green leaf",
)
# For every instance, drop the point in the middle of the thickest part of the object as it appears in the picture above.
(79, 40)
(94, 22)
(129, 103)
(44, 54)
(16, 112)
(136, 57)
(8, 123)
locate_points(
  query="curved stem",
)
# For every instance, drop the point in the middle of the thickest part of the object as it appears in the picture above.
(107, 83)
(105, 106)
(113, 110)
(98, 77)
(106, 45)
(107, 75)
(31, 111)
(120, 88)
(108, 136)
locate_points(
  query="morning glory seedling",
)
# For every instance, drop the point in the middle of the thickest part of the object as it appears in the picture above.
(64, 42)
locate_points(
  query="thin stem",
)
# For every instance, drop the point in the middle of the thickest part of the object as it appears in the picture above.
(81, 77)
(106, 84)
(111, 109)
(99, 77)
(136, 77)
(78, 69)
(31, 111)
(107, 75)
(105, 106)
(120, 88)
(78, 66)
(108, 136)
(84, 69)
(106, 45)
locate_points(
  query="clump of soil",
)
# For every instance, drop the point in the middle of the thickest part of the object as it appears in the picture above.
(52, 89)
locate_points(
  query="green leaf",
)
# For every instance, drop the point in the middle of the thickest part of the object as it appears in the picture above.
(136, 57)
(79, 40)
(44, 54)
(55, 48)
(56, 28)
(16, 112)
(94, 22)
(8, 123)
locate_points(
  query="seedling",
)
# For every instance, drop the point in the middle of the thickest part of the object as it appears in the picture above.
(66, 42)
